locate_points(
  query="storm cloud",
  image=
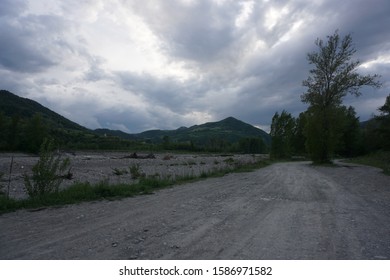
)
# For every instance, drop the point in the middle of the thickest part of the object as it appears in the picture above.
(138, 65)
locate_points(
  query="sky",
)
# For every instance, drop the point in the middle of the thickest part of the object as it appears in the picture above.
(139, 65)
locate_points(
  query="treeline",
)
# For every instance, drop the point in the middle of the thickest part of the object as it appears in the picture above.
(27, 134)
(301, 136)
(21, 134)
(327, 128)
(249, 145)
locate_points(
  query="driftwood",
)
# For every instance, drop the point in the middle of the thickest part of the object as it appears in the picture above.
(134, 155)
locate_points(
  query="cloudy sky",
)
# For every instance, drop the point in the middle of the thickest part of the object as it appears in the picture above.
(137, 65)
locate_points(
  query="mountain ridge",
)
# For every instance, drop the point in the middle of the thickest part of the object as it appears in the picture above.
(229, 129)
(12, 105)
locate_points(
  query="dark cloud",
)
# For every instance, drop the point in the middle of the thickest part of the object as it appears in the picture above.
(197, 31)
(175, 63)
(12, 7)
(19, 54)
(171, 94)
(31, 43)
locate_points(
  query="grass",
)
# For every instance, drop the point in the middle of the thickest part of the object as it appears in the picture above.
(81, 192)
(378, 159)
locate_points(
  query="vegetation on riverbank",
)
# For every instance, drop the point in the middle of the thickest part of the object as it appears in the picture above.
(378, 159)
(84, 191)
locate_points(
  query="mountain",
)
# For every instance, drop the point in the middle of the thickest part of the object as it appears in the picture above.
(229, 129)
(13, 105)
(21, 127)
(25, 123)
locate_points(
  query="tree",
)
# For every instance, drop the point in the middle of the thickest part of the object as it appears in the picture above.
(350, 141)
(35, 133)
(384, 125)
(299, 137)
(14, 131)
(3, 131)
(252, 145)
(282, 131)
(333, 77)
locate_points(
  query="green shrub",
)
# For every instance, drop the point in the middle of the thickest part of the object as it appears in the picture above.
(48, 172)
(135, 171)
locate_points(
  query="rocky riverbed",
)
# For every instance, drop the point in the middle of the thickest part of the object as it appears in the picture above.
(115, 167)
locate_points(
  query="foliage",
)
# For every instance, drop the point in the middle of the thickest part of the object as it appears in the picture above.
(332, 78)
(378, 159)
(383, 130)
(299, 138)
(282, 131)
(35, 133)
(24, 123)
(135, 171)
(48, 172)
(85, 191)
(221, 136)
(252, 145)
(350, 141)
(321, 136)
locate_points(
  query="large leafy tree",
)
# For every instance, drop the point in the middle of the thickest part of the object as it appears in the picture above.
(282, 131)
(384, 125)
(333, 76)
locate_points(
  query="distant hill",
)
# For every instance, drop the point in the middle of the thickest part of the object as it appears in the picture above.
(72, 135)
(229, 129)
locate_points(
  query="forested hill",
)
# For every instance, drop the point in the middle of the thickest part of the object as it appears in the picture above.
(12, 105)
(230, 130)
(24, 124)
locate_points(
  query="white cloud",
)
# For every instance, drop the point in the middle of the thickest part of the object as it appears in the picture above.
(137, 65)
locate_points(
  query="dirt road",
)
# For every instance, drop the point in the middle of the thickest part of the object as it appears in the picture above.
(284, 211)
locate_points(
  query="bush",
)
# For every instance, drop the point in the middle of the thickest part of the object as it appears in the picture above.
(135, 171)
(48, 172)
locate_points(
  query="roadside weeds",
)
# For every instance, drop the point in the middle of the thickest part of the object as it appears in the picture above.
(85, 191)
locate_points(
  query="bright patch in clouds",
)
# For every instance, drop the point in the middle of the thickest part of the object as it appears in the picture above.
(275, 15)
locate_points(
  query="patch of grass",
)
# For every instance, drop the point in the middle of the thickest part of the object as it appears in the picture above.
(378, 159)
(8, 204)
(81, 192)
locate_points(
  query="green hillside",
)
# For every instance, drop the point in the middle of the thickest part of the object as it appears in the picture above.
(12, 105)
(230, 130)
(24, 124)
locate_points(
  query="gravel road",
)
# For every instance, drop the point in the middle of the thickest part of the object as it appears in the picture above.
(284, 211)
